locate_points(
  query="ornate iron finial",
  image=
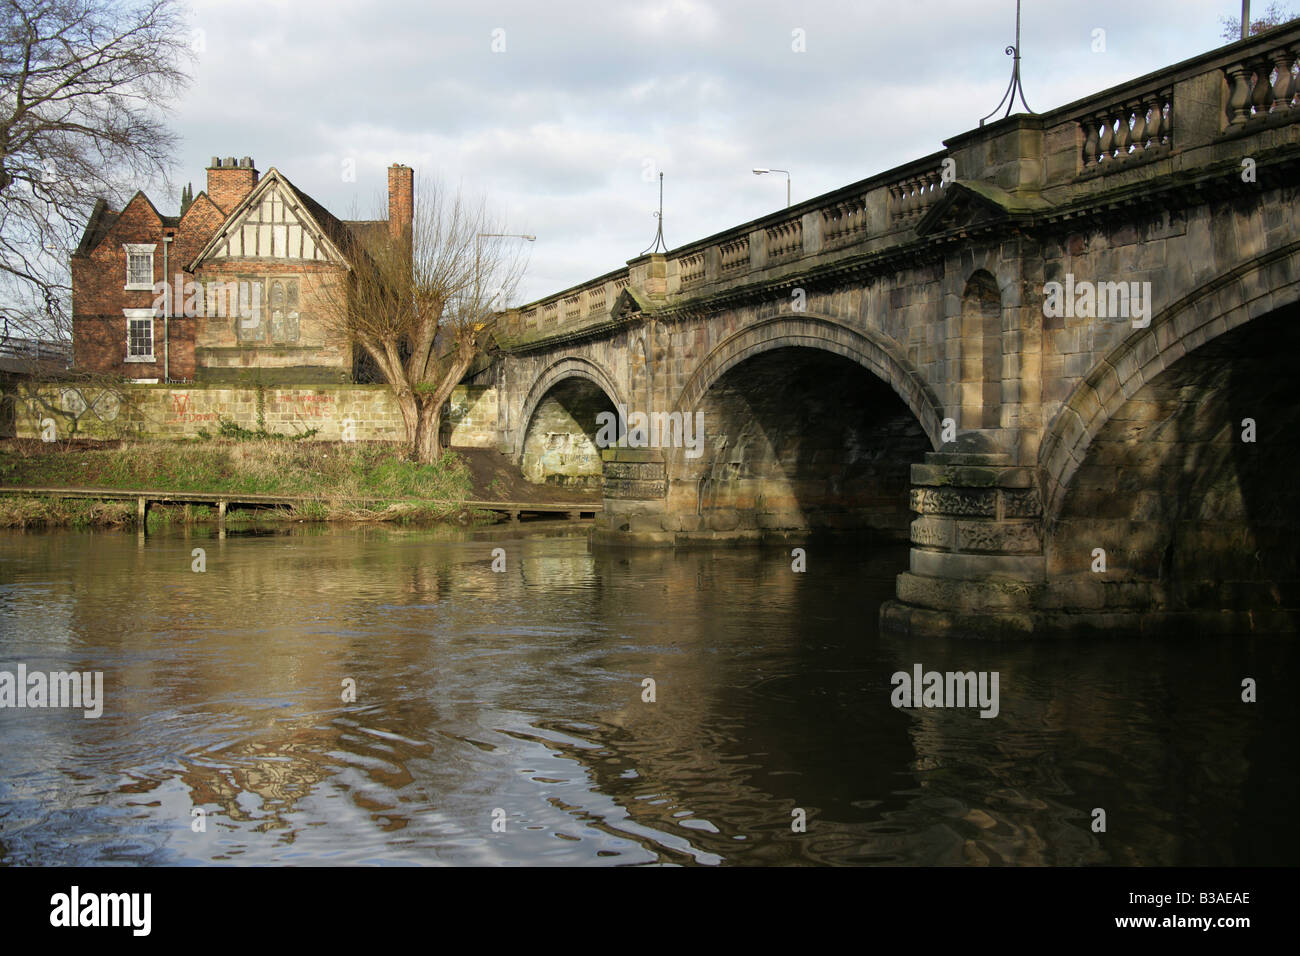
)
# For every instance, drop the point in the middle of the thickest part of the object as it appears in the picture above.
(659, 235)
(1009, 97)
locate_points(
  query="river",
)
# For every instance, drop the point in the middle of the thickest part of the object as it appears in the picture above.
(502, 717)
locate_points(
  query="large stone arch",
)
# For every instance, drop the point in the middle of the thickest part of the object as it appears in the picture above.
(870, 349)
(569, 367)
(807, 424)
(1254, 289)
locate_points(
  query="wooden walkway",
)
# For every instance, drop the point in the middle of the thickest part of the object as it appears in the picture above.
(224, 499)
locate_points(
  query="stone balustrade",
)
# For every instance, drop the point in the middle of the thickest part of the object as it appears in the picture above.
(572, 307)
(734, 255)
(1135, 128)
(911, 196)
(586, 304)
(1261, 84)
(691, 268)
(845, 220)
(1034, 160)
(785, 239)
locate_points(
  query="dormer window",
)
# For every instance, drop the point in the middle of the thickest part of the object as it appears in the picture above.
(139, 267)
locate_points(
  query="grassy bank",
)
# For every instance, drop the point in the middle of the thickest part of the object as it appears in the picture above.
(332, 472)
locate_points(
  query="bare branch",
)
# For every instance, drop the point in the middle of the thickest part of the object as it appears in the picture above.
(421, 308)
(84, 89)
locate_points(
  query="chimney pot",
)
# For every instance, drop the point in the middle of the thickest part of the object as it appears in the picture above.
(230, 180)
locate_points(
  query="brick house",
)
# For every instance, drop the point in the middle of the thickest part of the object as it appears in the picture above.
(253, 266)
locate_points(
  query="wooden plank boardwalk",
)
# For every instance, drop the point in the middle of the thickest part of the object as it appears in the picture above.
(224, 499)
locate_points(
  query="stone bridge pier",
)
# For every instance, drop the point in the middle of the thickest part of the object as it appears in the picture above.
(1055, 358)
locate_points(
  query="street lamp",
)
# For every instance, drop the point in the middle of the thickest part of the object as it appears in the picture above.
(504, 235)
(760, 172)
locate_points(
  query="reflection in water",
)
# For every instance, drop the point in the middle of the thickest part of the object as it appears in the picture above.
(517, 696)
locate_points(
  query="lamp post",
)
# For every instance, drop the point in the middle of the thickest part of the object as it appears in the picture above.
(760, 172)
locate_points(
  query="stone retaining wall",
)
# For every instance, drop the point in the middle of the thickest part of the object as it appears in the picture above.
(338, 413)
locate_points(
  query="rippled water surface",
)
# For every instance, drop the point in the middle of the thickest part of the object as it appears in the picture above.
(517, 696)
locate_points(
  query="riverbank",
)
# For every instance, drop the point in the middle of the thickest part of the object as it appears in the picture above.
(333, 474)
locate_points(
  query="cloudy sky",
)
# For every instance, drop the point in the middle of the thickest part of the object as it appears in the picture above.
(561, 113)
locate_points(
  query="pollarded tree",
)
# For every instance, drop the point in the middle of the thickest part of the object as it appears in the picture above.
(84, 86)
(422, 304)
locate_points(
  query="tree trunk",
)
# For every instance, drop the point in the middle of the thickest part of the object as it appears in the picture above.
(428, 447)
(410, 410)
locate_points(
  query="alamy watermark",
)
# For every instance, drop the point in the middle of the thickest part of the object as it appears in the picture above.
(210, 300)
(1098, 300)
(923, 688)
(55, 689)
(653, 430)
(75, 908)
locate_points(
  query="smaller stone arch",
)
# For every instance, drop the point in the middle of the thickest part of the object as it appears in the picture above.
(570, 367)
(1257, 288)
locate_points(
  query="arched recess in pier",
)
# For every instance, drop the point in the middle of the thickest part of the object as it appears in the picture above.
(1149, 460)
(981, 352)
(807, 423)
(557, 428)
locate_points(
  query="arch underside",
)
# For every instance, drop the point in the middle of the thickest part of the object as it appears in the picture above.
(806, 423)
(560, 446)
(564, 411)
(870, 349)
(1258, 288)
(1189, 487)
(796, 437)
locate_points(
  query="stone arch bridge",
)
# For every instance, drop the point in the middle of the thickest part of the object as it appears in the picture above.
(1058, 356)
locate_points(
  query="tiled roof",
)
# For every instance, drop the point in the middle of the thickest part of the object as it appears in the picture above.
(101, 220)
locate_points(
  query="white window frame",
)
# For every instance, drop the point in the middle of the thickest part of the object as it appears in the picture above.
(136, 315)
(139, 249)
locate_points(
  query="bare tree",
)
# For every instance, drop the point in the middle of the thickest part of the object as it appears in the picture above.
(421, 305)
(1273, 16)
(83, 88)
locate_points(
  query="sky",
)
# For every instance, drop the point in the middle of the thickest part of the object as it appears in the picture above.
(561, 114)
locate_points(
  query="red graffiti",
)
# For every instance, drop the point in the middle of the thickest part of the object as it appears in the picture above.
(309, 406)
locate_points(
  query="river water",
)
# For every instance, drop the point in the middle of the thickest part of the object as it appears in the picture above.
(500, 717)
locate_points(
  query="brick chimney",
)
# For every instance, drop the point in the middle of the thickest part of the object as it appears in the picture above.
(230, 181)
(401, 199)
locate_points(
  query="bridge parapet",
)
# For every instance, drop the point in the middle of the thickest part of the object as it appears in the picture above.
(872, 214)
(1184, 113)
(575, 309)
(1138, 127)
(1263, 84)
(1191, 116)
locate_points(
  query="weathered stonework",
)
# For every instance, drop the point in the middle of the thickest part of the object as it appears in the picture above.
(1077, 431)
(337, 413)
